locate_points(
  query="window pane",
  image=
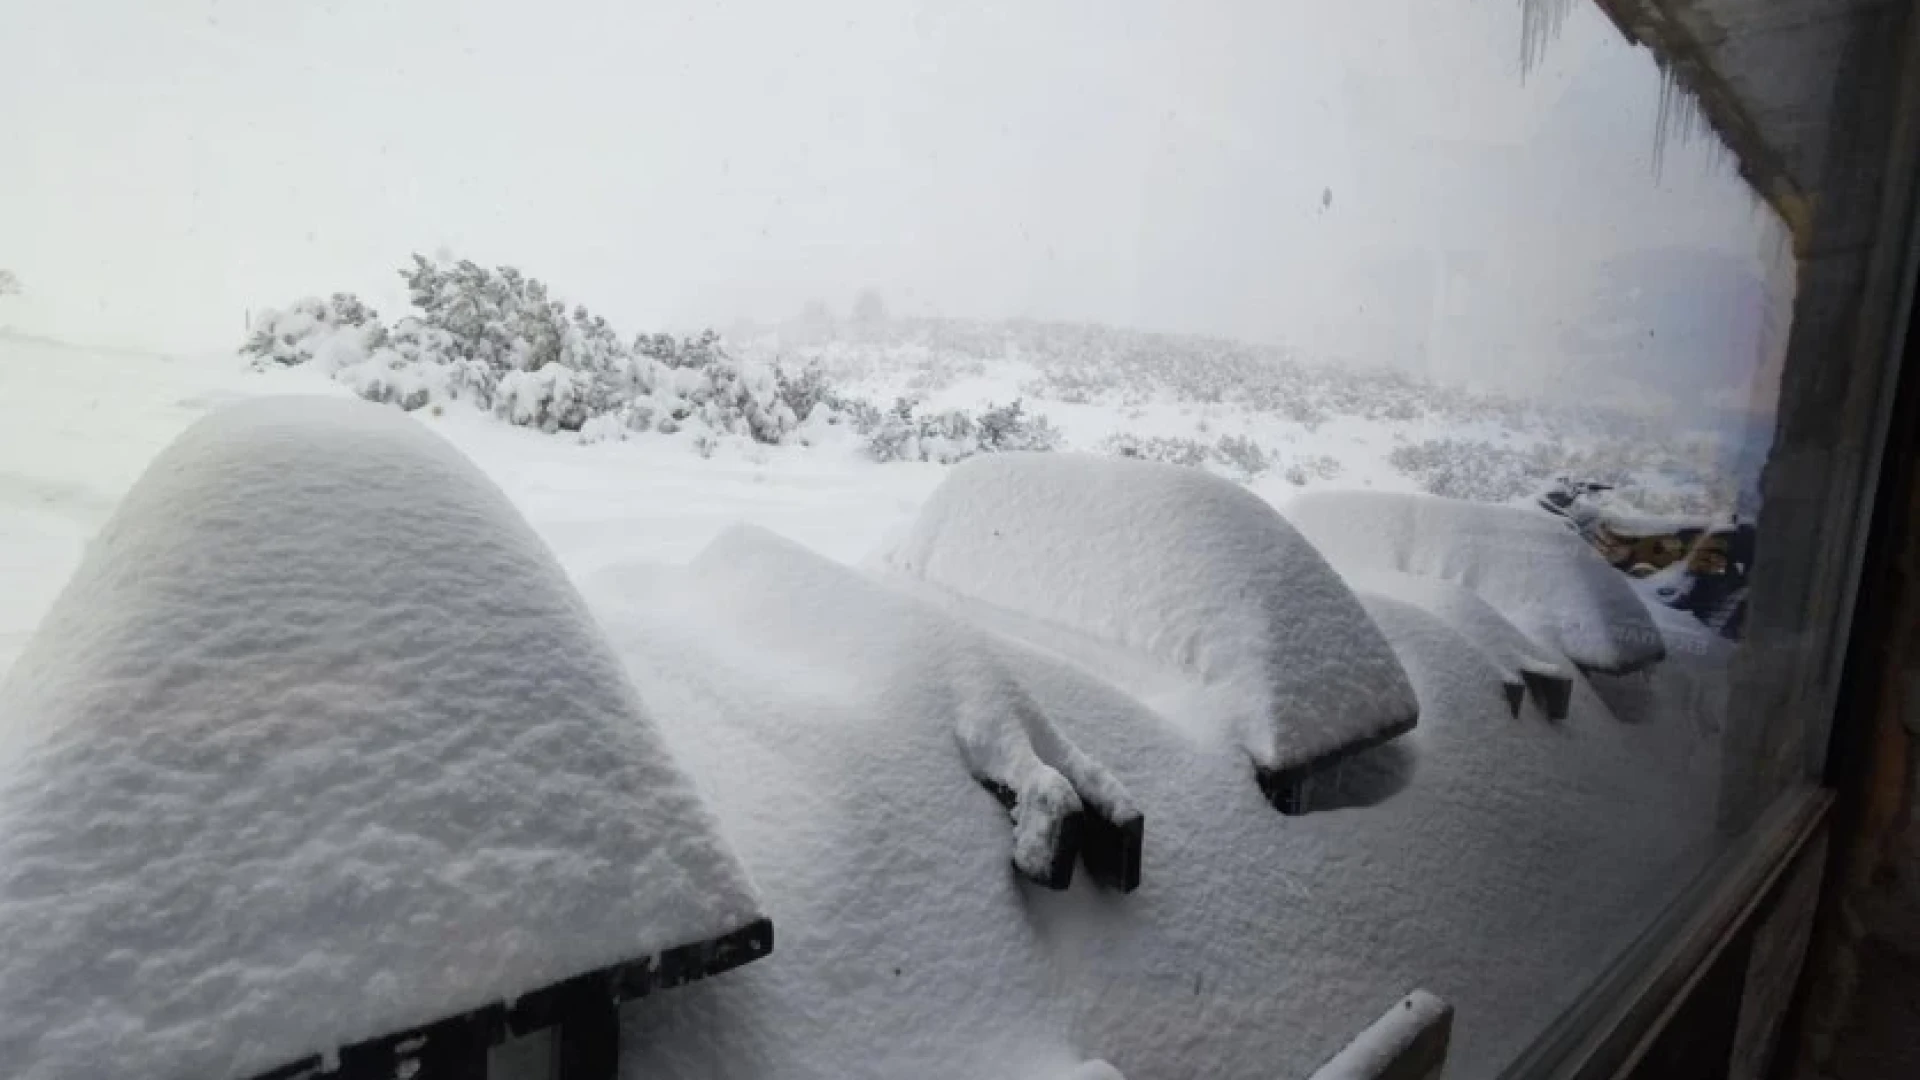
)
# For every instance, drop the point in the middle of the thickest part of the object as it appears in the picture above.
(1150, 532)
(533, 1056)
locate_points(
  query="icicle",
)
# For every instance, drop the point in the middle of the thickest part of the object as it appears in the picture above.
(1681, 121)
(1540, 24)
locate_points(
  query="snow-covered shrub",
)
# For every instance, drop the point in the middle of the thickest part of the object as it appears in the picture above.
(742, 397)
(1313, 467)
(863, 416)
(1485, 471)
(299, 332)
(500, 317)
(953, 435)
(553, 398)
(1238, 455)
(1174, 450)
(496, 339)
(804, 390)
(1321, 466)
(1475, 469)
(892, 436)
(1011, 427)
(941, 437)
(1242, 454)
(608, 427)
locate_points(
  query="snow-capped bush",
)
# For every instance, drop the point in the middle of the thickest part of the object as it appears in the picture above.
(552, 398)
(500, 317)
(1243, 455)
(953, 435)
(297, 333)
(1174, 450)
(1238, 455)
(1010, 427)
(498, 340)
(942, 437)
(1484, 471)
(805, 390)
(1305, 470)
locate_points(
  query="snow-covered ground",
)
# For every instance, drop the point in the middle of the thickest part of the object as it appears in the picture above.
(1495, 861)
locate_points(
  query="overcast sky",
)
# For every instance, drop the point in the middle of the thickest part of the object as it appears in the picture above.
(169, 164)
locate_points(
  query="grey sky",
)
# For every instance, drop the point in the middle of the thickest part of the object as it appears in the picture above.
(169, 163)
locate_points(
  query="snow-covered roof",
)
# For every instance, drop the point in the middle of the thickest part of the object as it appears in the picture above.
(1535, 571)
(320, 744)
(1183, 567)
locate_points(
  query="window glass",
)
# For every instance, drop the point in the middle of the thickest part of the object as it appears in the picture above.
(1149, 532)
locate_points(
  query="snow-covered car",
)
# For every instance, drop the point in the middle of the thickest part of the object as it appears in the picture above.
(1539, 575)
(1182, 569)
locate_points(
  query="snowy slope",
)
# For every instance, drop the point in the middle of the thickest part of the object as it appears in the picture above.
(1495, 863)
(320, 744)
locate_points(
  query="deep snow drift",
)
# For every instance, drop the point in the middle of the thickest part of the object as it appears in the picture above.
(1489, 861)
(925, 668)
(1498, 864)
(1529, 566)
(320, 744)
(1191, 570)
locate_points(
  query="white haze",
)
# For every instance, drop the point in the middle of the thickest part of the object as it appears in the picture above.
(1368, 181)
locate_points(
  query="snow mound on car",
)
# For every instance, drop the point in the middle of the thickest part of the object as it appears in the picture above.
(1181, 566)
(1534, 570)
(1505, 645)
(320, 744)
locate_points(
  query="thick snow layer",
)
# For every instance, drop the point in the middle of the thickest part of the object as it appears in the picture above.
(926, 668)
(1186, 568)
(1506, 645)
(319, 744)
(1497, 864)
(1257, 945)
(1417, 632)
(1527, 564)
(885, 864)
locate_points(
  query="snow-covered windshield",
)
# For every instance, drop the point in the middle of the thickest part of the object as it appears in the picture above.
(1148, 532)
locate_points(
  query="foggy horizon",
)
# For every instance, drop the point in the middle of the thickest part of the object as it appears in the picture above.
(1324, 180)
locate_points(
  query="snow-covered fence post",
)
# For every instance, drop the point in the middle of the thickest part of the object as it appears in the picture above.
(1408, 1042)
